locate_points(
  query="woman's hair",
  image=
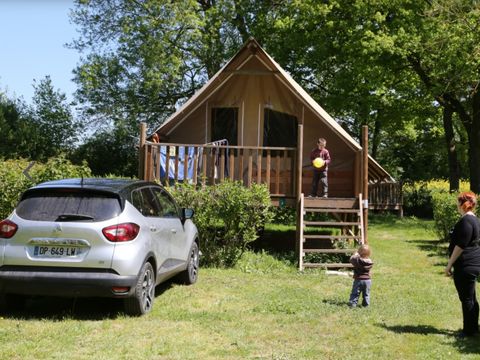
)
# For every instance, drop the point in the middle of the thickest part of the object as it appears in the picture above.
(467, 200)
(364, 251)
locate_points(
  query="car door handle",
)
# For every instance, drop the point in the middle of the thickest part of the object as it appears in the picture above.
(174, 231)
(153, 228)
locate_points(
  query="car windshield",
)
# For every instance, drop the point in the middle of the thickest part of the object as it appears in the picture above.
(68, 205)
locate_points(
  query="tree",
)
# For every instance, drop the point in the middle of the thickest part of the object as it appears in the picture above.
(110, 152)
(57, 131)
(16, 128)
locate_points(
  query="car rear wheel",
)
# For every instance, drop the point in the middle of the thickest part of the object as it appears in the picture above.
(142, 300)
(190, 274)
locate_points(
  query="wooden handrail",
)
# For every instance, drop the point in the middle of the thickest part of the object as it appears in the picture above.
(210, 164)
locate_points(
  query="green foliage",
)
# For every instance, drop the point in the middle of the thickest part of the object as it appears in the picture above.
(418, 196)
(40, 131)
(285, 215)
(445, 213)
(56, 129)
(228, 216)
(13, 182)
(110, 152)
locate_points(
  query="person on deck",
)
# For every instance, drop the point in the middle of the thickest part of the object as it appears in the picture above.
(320, 174)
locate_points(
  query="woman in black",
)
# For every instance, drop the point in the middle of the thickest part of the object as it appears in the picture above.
(464, 251)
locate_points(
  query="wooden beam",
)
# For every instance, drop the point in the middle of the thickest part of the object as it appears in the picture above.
(141, 151)
(365, 181)
(298, 177)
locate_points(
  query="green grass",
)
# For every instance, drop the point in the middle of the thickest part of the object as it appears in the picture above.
(265, 309)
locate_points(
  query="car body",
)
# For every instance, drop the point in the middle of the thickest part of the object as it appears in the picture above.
(96, 237)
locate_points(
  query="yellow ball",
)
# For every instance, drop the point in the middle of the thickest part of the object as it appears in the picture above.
(318, 163)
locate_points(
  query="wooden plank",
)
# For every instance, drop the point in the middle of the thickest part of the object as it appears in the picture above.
(204, 168)
(211, 175)
(277, 173)
(286, 174)
(167, 165)
(329, 251)
(250, 168)
(259, 167)
(268, 168)
(232, 165)
(185, 164)
(333, 210)
(331, 223)
(195, 166)
(176, 163)
(327, 265)
(339, 203)
(222, 165)
(330, 237)
(299, 231)
(241, 169)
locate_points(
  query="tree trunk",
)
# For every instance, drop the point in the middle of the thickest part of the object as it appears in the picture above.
(474, 145)
(453, 167)
(376, 137)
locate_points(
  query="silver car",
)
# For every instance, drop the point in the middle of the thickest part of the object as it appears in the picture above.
(96, 237)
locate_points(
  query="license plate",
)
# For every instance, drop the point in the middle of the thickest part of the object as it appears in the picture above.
(55, 251)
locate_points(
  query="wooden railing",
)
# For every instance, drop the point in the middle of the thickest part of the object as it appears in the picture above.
(385, 196)
(211, 164)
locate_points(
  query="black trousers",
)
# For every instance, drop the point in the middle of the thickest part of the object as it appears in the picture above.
(465, 280)
(322, 177)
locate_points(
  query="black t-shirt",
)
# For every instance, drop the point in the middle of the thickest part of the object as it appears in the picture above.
(466, 235)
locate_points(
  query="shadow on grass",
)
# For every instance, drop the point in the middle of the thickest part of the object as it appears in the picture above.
(59, 308)
(469, 345)
(433, 248)
(417, 329)
(335, 302)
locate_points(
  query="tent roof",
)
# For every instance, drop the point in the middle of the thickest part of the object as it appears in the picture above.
(234, 66)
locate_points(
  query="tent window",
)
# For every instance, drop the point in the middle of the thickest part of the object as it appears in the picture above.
(279, 129)
(224, 124)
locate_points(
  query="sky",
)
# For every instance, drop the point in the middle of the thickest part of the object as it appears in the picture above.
(33, 34)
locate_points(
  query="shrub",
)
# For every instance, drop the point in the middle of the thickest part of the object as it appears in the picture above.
(13, 182)
(445, 213)
(417, 196)
(228, 217)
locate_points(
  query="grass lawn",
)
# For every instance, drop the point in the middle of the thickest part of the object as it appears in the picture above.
(265, 309)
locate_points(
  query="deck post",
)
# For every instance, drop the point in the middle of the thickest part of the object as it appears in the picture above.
(365, 181)
(298, 183)
(298, 172)
(141, 151)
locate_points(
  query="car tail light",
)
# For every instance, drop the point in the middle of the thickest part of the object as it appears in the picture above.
(121, 232)
(7, 229)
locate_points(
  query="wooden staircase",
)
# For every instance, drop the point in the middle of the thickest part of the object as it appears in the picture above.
(345, 214)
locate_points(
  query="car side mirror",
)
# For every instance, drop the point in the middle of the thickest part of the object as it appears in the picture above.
(187, 213)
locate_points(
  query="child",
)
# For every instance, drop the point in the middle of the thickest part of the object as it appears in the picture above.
(361, 276)
(320, 174)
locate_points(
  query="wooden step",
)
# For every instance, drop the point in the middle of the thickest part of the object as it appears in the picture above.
(332, 223)
(329, 251)
(330, 237)
(338, 203)
(332, 210)
(328, 265)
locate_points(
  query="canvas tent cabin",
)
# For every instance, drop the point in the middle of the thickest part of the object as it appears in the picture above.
(252, 122)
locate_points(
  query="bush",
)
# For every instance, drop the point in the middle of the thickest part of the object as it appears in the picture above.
(228, 217)
(13, 182)
(417, 196)
(445, 213)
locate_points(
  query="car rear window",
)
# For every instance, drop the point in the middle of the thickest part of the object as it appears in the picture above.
(68, 205)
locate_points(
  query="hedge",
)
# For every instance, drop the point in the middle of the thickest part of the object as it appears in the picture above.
(13, 181)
